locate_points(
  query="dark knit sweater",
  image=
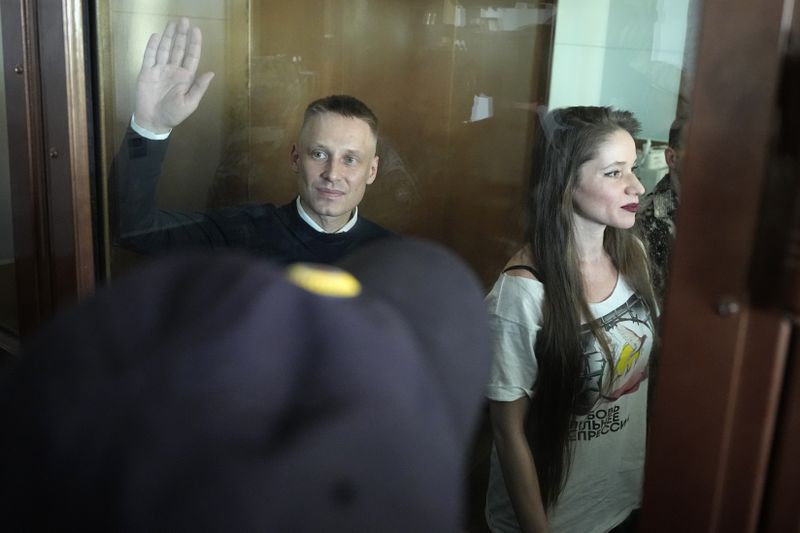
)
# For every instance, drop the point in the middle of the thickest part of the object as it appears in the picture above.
(275, 232)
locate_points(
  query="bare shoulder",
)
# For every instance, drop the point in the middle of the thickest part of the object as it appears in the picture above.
(523, 257)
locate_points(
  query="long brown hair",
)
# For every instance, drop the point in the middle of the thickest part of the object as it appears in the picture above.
(567, 139)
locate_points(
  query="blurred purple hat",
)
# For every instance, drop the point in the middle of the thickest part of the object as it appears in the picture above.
(221, 392)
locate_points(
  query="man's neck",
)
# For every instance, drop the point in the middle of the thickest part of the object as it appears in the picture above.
(324, 225)
(675, 183)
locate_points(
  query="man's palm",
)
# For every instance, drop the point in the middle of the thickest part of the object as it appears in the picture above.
(167, 88)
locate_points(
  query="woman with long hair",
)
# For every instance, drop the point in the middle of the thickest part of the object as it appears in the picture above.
(572, 316)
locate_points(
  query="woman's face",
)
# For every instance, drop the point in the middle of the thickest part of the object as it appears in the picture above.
(608, 191)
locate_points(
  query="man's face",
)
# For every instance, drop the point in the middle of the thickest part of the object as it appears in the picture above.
(334, 161)
(673, 158)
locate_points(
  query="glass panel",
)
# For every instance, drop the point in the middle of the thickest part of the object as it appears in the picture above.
(637, 56)
(8, 285)
(455, 96)
(458, 88)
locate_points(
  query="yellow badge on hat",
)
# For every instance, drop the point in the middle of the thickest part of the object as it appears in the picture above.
(324, 280)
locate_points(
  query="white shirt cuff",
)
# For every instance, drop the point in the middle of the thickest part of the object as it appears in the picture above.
(147, 134)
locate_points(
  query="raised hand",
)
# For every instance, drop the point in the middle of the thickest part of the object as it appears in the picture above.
(168, 89)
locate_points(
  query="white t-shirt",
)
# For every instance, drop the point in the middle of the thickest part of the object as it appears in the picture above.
(608, 437)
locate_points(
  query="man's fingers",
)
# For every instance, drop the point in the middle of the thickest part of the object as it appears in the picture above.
(199, 88)
(165, 45)
(192, 58)
(149, 59)
(179, 42)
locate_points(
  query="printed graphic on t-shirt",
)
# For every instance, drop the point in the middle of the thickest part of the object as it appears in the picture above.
(629, 333)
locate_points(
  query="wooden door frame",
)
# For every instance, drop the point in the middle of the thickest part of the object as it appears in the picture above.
(49, 159)
(723, 356)
(780, 512)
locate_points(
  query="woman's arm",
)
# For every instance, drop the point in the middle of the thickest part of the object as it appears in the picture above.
(516, 462)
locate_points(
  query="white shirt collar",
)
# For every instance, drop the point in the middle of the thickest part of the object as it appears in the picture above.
(311, 222)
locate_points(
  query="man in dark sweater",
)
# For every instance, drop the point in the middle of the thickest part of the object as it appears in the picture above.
(334, 159)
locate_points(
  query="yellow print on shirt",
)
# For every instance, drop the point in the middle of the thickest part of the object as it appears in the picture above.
(629, 354)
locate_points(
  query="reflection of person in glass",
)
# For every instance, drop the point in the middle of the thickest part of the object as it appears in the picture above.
(571, 316)
(659, 211)
(334, 159)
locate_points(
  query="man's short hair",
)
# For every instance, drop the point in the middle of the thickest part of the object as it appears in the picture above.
(676, 133)
(344, 105)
